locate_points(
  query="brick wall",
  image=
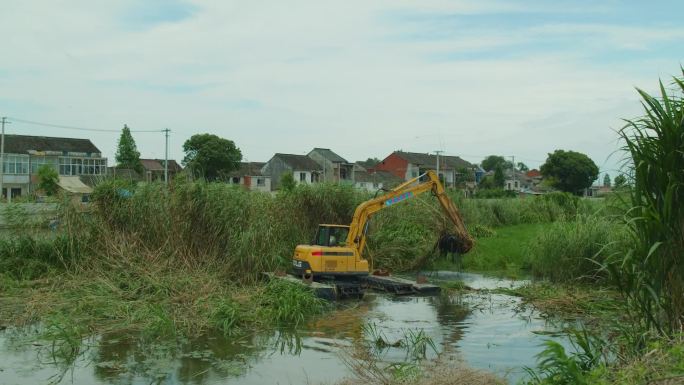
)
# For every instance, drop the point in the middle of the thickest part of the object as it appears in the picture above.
(393, 164)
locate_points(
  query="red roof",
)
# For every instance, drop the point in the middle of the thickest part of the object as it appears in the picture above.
(533, 173)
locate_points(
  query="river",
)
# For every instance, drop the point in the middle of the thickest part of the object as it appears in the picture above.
(486, 331)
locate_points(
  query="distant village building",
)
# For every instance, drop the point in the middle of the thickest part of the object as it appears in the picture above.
(516, 180)
(25, 154)
(335, 168)
(153, 169)
(249, 176)
(407, 165)
(373, 181)
(304, 169)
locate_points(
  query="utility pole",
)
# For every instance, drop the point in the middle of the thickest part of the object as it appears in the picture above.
(2, 156)
(514, 176)
(437, 153)
(166, 157)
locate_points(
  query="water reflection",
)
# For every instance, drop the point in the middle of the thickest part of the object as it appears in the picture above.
(489, 331)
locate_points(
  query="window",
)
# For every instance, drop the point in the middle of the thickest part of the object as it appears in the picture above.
(15, 164)
(414, 174)
(38, 161)
(302, 177)
(236, 180)
(261, 182)
(82, 166)
(331, 236)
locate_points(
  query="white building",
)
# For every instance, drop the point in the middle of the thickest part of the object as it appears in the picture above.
(25, 154)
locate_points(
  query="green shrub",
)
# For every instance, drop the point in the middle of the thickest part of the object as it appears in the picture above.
(26, 257)
(482, 231)
(289, 304)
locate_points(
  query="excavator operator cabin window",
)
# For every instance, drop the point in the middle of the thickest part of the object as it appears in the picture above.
(322, 236)
(338, 236)
(331, 236)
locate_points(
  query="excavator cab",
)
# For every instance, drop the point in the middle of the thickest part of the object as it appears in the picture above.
(328, 255)
(331, 235)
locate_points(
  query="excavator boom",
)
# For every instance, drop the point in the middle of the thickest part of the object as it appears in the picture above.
(414, 187)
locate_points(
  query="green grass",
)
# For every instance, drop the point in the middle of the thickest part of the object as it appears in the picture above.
(576, 250)
(505, 251)
(590, 303)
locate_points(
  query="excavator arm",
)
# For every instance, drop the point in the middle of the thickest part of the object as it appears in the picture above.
(414, 187)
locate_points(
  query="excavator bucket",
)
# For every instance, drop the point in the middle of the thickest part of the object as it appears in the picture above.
(450, 243)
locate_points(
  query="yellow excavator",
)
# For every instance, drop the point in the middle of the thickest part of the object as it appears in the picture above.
(337, 251)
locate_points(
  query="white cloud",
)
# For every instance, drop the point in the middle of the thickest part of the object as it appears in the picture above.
(288, 76)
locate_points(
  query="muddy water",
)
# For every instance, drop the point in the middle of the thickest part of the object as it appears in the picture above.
(487, 331)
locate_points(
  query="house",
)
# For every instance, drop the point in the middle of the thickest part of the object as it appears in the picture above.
(335, 168)
(123, 173)
(516, 181)
(25, 154)
(592, 191)
(153, 169)
(407, 165)
(249, 175)
(303, 169)
(373, 181)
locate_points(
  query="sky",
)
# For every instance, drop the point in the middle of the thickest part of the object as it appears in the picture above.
(363, 78)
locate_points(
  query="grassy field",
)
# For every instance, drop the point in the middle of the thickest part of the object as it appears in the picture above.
(505, 251)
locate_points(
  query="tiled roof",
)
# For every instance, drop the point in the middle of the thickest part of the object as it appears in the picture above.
(299, 162)
(329, 155)
(430, 160)
(158, 165)
(366, 164)
(533, 173)
(21, 144)
(376, 177)
(248, 169)
(151, 165)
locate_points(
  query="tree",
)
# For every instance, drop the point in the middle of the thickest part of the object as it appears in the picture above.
(287, 182)
(465, 175)
(619, 181)
(47, 179)
(489, 163)
(127, 154)
(606, 180)
(487, 183)
(499, 178)
(569, 171)
(210, 156)
(523, 167)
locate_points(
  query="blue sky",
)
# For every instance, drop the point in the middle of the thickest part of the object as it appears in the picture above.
(471, 78)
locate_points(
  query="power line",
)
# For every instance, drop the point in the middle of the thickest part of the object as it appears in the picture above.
(72, 127)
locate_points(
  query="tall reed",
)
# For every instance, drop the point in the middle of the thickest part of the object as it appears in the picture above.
(651, 274)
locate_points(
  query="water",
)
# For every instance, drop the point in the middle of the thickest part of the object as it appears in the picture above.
(486, 331)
